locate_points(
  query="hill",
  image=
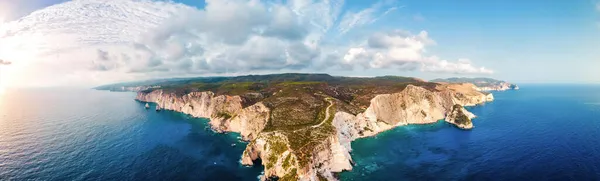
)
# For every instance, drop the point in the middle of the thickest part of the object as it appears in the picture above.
(300, 125)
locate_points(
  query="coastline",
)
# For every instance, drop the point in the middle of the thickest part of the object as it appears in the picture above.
(334, 153)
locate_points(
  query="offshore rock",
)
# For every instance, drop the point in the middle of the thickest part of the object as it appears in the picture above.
(460, 117)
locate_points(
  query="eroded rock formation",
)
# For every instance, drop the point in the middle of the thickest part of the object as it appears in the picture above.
(330, 150)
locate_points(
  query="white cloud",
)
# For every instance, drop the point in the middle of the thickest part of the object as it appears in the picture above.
(14, 9)
(462, 66)
(100, 41)
(352, 20)
(403, 50)
(322, 14)
(396, 48)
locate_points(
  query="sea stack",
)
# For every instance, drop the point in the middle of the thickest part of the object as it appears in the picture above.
(157, 107)
(460, 117)
(147, 106)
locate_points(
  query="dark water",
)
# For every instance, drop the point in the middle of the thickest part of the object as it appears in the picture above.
(94, 135)
(541, 132)
(537, 133)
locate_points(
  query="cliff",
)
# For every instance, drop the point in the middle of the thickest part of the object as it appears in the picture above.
(225, 112)
(319, 120)
(498, 87)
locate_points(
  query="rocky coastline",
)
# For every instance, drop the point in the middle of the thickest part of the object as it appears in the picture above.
(331, 153)
(481, 84)
(498, 87)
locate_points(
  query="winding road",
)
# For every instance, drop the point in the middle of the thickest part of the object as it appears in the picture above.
(326, 113)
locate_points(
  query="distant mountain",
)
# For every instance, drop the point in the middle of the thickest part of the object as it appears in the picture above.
(483, 84)
(270, 78)
(155, 83)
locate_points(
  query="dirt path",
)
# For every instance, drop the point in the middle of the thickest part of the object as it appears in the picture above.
(314, 126)
(326, 113)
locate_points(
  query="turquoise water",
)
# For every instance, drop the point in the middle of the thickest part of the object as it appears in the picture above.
(541, 132)
(94, 135)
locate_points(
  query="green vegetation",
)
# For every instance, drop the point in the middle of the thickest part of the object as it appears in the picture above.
(321, 178)
(300, 83)
(290, 176)
(298, 105)
(278, 147)
(224, 115)
(305, 141)
(332, 111)
(287, 162)
(461, 118)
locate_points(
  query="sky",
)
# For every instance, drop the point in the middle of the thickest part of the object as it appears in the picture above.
(94, 42)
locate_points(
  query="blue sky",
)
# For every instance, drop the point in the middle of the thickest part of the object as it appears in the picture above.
(535, 41)
(532, 41)
(524, 41)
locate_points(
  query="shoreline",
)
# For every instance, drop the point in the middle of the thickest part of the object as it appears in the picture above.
(334, 150)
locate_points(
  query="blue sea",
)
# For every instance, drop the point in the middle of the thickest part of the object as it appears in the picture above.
(56, 134)
(541, 132)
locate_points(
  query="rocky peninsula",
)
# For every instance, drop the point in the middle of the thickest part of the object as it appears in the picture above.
(301, 125)
(481, 84)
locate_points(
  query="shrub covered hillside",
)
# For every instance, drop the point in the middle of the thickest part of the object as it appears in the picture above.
(302, 106)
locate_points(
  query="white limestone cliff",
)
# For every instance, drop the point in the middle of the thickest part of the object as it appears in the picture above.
(225, 112)
(413, 105)
(498, 87)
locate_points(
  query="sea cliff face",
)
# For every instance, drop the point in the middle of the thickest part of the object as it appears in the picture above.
(498, 87)
(481, 84)
(413, 105)
(225, 112)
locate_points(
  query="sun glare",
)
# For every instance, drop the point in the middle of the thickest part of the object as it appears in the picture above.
(2, 82)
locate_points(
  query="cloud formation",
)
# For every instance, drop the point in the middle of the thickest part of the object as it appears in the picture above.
(352, 20)
(462, 66)
(124, 40)
(405, 51)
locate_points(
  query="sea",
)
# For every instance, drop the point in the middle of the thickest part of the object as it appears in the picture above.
(540, 132)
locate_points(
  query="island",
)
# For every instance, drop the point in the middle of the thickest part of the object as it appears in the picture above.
(301, 125)
(481, 84)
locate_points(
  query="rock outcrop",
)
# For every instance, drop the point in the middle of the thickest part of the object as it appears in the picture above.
(460, 117)
(412, 105)
(503, 86)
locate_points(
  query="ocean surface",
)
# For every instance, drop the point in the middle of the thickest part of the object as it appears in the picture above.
(58, 134)
(541, 132)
